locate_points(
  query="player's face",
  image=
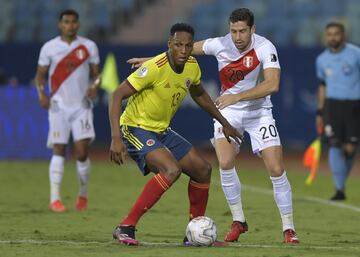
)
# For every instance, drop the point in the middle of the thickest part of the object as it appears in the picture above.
(69, 25)
(180, 47)
(334, 37)
(241, 34)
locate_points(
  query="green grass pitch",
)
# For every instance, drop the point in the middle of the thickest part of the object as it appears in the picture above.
(28, 228)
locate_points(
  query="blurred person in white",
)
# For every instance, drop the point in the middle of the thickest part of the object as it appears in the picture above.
(249, 72)
(72, 63)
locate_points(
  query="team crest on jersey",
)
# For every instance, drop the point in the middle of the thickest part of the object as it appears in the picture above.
(188, 82)
(150, 142)
(248, 61)
(142, 72)
(80, 54)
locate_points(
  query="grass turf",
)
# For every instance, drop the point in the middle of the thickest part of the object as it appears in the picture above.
(27, 228)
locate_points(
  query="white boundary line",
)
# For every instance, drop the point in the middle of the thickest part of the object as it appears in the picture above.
(306, 198)
(163, 244)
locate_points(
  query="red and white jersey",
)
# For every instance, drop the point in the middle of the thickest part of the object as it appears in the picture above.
(240, 71)
(69, 71)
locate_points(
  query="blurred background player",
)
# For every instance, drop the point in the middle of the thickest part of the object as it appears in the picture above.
(338, 115)
(70, 61)
(156, 91)
(243, 57)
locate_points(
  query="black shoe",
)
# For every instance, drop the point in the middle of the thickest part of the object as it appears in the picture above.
(186, 242)
(339, 196)
(125, 235)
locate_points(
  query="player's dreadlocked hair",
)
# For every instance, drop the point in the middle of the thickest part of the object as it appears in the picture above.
(69, 12)
(181, 27)
(242, 14)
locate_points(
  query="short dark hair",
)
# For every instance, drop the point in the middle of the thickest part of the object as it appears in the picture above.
(182, 27)
(69, 12)
(336, 24)
(242, 14)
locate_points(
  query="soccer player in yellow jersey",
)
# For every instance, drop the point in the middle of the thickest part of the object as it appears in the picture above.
(155, 92)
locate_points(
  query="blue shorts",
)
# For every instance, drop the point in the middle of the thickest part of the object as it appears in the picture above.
(141, 142)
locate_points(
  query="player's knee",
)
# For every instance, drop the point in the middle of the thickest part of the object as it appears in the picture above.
(173, 173)
(82, 156)
(226, 163)
(349, 152)
(205, 172)
(276, 170)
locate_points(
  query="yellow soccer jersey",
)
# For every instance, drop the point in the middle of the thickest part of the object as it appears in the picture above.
(160, 91)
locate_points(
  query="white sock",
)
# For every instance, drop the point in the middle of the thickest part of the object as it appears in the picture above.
(83, 171)
(56, 173)
(283, 199)
(231, 186)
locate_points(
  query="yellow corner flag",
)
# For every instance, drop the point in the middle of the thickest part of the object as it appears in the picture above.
(311, 160)
(109, 76)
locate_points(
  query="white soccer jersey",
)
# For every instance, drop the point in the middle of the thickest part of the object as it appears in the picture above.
(242, 71)
(69, 68)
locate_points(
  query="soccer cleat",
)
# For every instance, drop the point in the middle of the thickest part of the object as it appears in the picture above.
(339, 196)
(125, 234)
(290, 237)
(81, 203)
(57, 206)
(236, 229)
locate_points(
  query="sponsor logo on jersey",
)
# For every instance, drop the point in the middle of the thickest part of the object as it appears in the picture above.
(273, 58)
(142, 72)
(150, 142)
(80, 54)
(248, 61)
(188, 82)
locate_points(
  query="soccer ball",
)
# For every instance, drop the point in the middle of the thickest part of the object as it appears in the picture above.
(201, 231)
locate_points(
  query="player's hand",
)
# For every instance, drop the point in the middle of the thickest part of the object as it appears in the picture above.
(226, 100)
(118, 151)
(230, 132)
(44, 101)
(319, 125)
(136, 62)
(91, 92)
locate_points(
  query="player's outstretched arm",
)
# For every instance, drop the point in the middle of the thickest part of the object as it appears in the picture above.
(269, 86)
(136, 62)
(202, 98)
(118, 149)
(39, 83)
(198, 48)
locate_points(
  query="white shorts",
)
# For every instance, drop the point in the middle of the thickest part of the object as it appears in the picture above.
(62, 121)
(259, 124)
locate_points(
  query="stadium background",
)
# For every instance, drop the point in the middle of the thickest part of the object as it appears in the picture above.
(130, 28)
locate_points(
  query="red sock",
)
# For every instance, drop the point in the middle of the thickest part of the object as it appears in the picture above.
(198, 197)
(151, 193)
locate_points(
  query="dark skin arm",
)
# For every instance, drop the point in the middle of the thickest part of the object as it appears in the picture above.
(202, 98)
(118, 150)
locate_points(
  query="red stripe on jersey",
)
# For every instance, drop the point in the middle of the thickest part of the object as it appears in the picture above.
(236, 71)
(67, 66)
